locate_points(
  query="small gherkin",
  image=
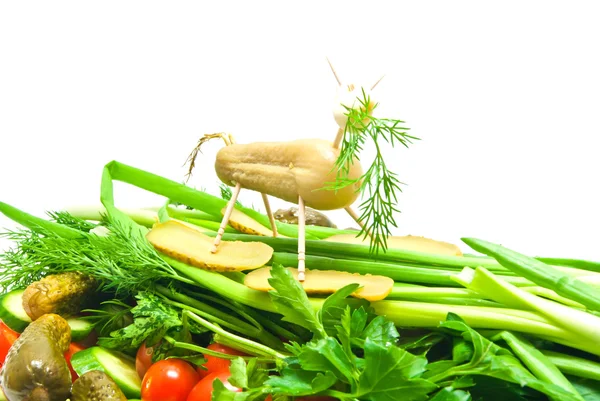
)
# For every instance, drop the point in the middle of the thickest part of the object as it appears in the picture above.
(96, 385)
(64, 294)
(35, 368)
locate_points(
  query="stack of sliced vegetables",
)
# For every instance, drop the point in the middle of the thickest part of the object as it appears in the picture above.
(142, 306)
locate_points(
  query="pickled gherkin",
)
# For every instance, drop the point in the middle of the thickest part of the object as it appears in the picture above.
(35, 368)
(64, 294)
(96, 385)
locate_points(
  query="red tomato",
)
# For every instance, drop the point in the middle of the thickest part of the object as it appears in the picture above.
(7, 338)
(215, 364)
(73, 348)
(143, 360)
(169, 380)
(203, 390)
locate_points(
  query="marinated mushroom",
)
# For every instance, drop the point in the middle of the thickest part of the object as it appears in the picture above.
(312, 216)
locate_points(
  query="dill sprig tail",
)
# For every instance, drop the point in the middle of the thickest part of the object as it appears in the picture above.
(378, 183)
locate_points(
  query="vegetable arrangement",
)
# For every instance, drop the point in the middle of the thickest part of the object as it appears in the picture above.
(451, 326)
(205, 299)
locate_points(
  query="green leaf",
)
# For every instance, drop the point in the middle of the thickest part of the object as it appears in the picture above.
(327, 355)
(334, 306)
(222, 393)
(152, 319)
(381, 331)
(487, 388)
(462, 351)
(451, 394)
(297, 382)
(589, 389)
(538, 363)
(239, 376)
(391, 373)
(424, 342)
(489, 359)
(291, 301)
(257, 374)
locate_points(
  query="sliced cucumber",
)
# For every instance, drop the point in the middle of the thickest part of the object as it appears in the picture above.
(12, 312)
(14, 316)
(80, 328)
(2, 396)
(120, 367)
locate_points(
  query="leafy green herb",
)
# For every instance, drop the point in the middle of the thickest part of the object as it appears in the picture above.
(291, 300)
(153, 319)
(69, 220)
(123, 262)
(378, 183)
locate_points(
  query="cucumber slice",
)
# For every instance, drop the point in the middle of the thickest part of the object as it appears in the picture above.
(120, 367)
(12, 312)
(80, 328)
(14, 316)
(2, 396)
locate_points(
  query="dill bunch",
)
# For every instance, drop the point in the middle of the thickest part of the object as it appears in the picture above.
(122, 261)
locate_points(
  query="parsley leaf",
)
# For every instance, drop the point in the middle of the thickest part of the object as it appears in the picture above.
(327, 355)
(297, 382)
(152, 319)
(391, 373)
(291, 301)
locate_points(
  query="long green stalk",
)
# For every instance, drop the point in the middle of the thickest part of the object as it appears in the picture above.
(209, 312)
(440, 295)
(33, 222)
(179, 213)
(540, 273)
(538, 363)
(177, 192)
(573, 365)
(396, 271)
(586, 325)
(428, 315)
(145, 217)
(546, 293)
(223, 286)
(578, 263)
(250, 346)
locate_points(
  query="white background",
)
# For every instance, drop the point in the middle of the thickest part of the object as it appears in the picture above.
(504, 95)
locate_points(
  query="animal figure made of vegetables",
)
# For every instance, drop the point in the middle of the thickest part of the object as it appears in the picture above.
(317, 173)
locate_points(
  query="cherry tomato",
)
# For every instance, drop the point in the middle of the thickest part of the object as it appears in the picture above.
(203, 390)
(215, 364)
(143, 360)
(169, 380)
(73, 348)
(7, 338)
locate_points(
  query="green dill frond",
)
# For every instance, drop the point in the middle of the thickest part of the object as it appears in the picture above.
(122, 261)
(379, 185)
(69, 220)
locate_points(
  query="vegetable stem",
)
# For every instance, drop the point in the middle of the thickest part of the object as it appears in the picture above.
(250, 346)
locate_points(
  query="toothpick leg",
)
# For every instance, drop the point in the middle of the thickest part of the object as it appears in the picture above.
(356, 218)
(225, 220)
(270, 214)
(301, 239)
(338, 138)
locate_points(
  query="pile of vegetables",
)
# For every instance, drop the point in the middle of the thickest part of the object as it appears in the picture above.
(131, 301)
